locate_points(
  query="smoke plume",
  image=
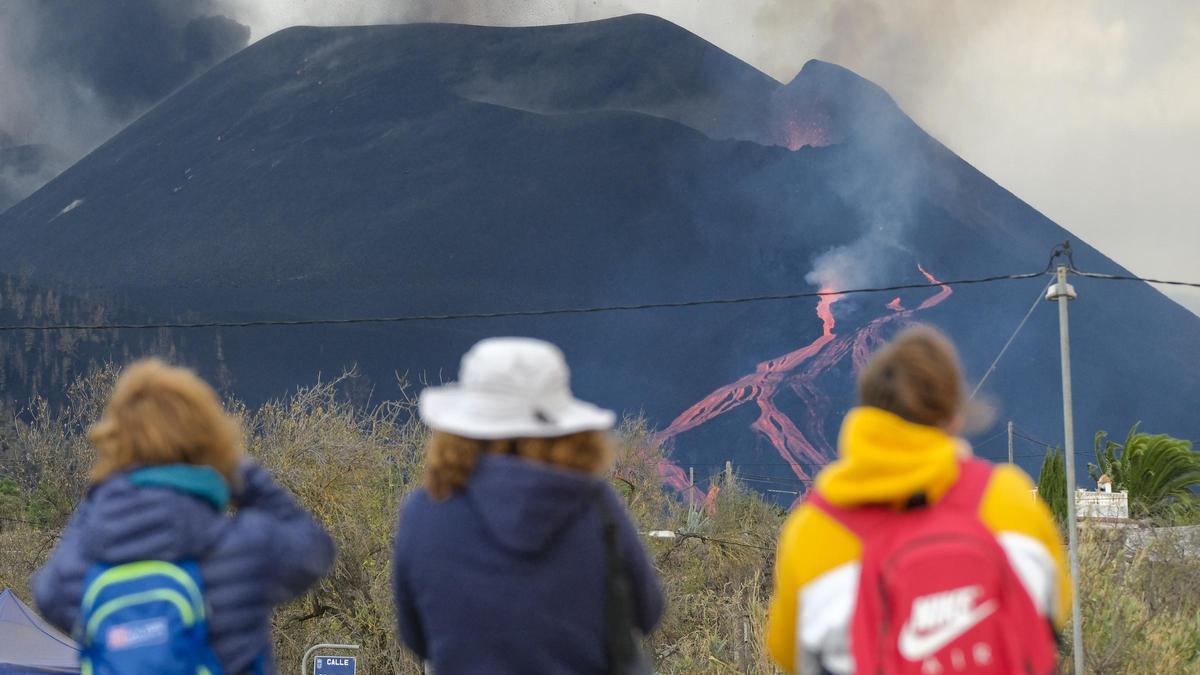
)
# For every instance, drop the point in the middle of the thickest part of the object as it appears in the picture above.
(1086, 109)
(72, 73)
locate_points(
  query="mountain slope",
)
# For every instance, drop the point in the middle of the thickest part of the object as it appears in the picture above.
(439, 169)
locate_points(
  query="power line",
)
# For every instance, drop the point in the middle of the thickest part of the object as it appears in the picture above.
(740, 464)
(989, 439)
(256, 323)
(773, 481)
(1037, 300)
(1130, 277)
(1031, 439)
(513, 313)
(1047, 446)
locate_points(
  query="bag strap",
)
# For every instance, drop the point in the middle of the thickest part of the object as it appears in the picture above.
(862, 521)
(618, 596)
(974, 475)
(966, 494)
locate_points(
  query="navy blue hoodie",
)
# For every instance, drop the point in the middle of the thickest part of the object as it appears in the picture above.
(269, 552)
(507, 576)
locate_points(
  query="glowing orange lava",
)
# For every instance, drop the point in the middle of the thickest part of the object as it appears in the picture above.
(943, 292)
(807, 449)
(798, 134)
(801, 124)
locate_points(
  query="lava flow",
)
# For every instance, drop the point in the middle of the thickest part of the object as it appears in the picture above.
(869, 337)
(803, 449)
(760, 387)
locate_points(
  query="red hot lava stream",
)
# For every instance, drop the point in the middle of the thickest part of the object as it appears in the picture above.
(807, 449)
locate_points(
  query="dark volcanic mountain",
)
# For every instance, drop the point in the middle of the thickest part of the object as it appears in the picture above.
(396, 170)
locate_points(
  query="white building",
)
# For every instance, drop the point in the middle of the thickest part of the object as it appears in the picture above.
(1101, 503)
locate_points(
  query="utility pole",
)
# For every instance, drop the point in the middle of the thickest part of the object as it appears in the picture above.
(1010, 457)
(1064, 293)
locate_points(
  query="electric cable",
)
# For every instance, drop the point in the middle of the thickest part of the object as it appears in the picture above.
(513, 313)
(1036, 301)
(1130, 277)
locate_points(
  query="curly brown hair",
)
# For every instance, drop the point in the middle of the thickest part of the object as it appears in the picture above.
(916, 376)
(160, 414)
(450, 459)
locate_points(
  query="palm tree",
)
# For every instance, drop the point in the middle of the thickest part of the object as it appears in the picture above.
(1159, 472)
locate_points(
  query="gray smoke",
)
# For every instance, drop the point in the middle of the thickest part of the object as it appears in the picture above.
(1086, 109)
(268, 16)
(72, 73)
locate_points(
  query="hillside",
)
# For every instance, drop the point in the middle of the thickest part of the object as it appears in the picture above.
(338, 172)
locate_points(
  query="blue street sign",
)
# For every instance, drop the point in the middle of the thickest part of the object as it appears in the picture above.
(336, 665)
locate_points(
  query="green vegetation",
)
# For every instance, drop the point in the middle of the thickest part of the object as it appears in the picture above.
(1052, 486)
(1138, 603)
(1159, 472)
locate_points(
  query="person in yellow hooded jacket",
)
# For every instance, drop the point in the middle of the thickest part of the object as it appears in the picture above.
(901, 444)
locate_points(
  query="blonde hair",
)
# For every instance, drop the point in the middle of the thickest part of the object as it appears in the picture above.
(160, 414)
(450, 459)
(916, 376)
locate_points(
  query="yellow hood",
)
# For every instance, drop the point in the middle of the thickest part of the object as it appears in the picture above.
(885, 459)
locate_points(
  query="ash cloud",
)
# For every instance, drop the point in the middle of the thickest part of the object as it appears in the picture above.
(72, 73)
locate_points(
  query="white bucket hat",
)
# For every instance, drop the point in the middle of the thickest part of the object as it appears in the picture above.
(511, 388)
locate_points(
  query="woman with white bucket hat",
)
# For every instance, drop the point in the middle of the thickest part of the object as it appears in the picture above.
(516, 556)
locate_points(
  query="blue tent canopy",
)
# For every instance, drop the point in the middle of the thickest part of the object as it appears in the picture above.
(29, 645)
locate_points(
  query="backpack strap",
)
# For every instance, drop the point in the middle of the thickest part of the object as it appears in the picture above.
(974, 475)
(966, 493)
(862, 521)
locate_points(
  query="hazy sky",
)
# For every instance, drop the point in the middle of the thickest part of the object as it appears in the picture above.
(1087, 109)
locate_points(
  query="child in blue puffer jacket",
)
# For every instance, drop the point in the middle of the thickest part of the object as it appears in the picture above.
(169, 463)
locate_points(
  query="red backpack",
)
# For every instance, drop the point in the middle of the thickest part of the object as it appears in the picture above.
(937, 594)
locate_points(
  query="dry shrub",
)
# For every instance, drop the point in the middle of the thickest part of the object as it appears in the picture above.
(44, 457)
(1139, 601)
(25, 549)
(348, 465)
(716, 572)
(351, 465)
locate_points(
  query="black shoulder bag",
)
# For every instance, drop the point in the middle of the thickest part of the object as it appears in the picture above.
(624, 640)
